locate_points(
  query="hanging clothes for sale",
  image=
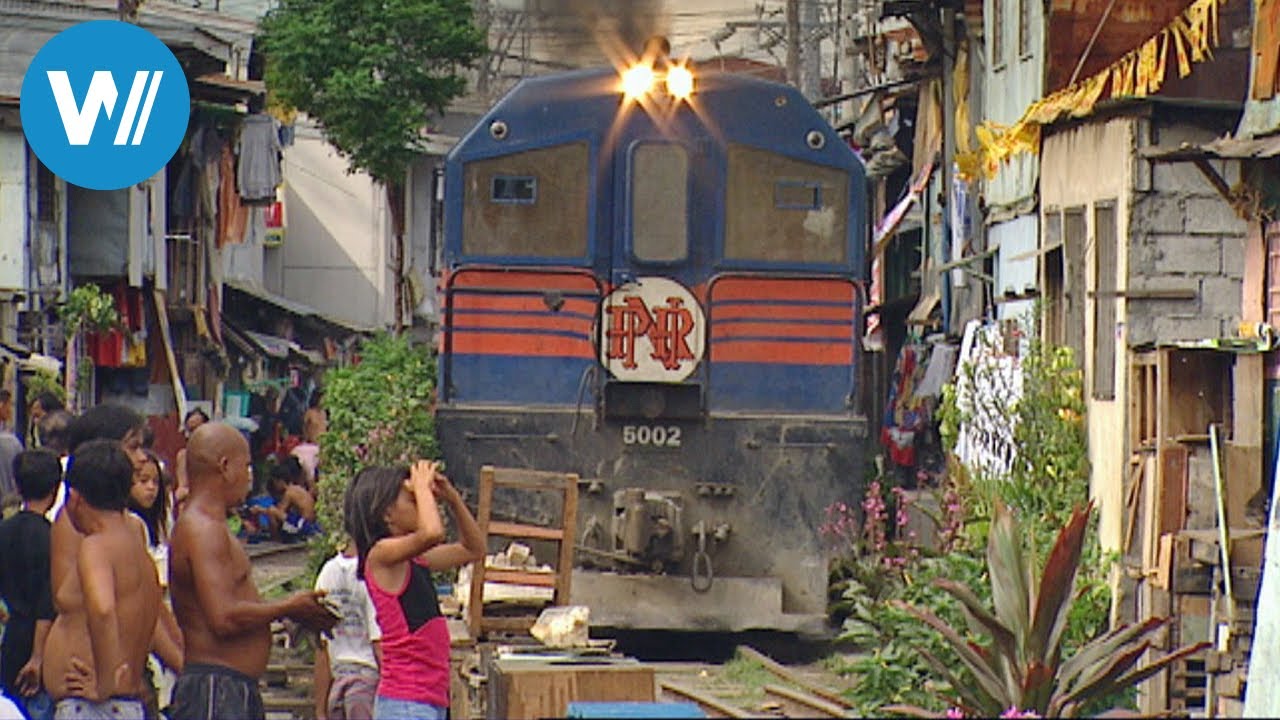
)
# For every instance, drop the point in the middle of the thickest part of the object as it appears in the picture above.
(905, 413)
(259, 152)
(233, 216)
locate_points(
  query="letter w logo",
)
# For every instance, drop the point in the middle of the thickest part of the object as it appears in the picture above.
(79, 122)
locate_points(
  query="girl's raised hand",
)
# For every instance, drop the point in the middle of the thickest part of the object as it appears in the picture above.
(443, 487)
(422, 476)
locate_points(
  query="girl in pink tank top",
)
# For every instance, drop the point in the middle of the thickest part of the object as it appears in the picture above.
(394, 517)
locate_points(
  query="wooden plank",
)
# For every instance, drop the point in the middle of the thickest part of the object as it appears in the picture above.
(1163, 578)
(1253, 305)
(788, 675)
(520, 530)
(712, 705)
(1248, 389)
(806, 705)
(530, 479)
(519, 577)
(1131, 503)
(475, 608)
(162, 315)
(1243, 468)
(564, 564)
(1153, 418)
(520, 623)
(1172, 504)
(1150, 538)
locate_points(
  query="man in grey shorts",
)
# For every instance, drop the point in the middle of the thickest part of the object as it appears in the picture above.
(226, 625)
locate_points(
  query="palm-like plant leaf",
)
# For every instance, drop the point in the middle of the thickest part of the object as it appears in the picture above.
(1094, 656)
(971, 656)
(1010, 591)
(973, 701)
(1064, 704)
(1056, 586)
(1024, 668)
(1005, 642)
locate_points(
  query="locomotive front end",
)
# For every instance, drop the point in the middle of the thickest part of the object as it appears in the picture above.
(653, 281)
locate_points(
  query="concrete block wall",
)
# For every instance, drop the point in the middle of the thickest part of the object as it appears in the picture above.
(1184, 236)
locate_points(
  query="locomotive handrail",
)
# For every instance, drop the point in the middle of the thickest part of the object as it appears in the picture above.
(450, 289)
(854, 340)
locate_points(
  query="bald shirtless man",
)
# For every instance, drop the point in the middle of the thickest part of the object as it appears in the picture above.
(227, 626)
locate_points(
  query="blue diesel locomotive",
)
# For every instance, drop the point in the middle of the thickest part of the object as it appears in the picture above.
(654, 280)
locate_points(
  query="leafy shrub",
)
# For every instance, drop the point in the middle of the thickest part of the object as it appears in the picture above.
(380, 413)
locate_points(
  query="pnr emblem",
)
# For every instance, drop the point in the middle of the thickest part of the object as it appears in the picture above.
(654, 331)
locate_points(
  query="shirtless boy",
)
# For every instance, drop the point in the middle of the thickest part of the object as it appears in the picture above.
(227, 626)
(69, 644)
(119, 585)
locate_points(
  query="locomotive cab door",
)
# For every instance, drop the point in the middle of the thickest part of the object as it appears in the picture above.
(653, 336)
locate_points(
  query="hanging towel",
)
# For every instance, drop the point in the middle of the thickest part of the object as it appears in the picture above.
(259, 151)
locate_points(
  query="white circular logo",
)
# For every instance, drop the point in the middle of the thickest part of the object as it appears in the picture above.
(654, 331)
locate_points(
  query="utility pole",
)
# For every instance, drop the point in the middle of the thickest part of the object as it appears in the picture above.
(850, 29)
(810, 50)
(793, 42)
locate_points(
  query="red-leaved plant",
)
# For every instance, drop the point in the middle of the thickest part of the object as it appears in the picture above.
(1022, 667)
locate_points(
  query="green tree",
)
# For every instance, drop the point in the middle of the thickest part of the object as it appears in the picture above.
(371, 73)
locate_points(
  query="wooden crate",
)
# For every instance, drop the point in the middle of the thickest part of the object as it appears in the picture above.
(528, 689)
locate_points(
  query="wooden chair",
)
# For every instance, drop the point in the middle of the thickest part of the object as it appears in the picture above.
(532, 481)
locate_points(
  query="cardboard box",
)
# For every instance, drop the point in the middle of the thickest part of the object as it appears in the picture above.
(523, 689)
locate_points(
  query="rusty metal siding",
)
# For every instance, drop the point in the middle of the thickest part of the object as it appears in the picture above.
(1011, 86)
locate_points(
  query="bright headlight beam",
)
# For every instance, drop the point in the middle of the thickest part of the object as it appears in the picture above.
(680, 82)
(637, 81)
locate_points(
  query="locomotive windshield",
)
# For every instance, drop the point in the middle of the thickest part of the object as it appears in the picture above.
(783, 210)
(659, 202)
(532, 203)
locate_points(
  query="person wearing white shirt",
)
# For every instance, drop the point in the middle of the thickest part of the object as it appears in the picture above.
(346, 667)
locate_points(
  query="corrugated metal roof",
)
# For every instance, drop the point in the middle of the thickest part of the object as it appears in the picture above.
(1227, 147)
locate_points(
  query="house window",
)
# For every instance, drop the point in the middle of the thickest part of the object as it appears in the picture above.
(1024, 27)
(997, 33)
(46, 194)
(185, 258)
(1053, 281)
(1074, 238)
(1104, 304)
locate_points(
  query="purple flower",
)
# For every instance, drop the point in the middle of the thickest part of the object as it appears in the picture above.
(954, 714)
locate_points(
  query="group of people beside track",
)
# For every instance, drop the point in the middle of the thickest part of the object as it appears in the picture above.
(86, 599)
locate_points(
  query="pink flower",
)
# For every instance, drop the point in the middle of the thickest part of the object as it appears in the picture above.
(954, 714)
(1014, 712)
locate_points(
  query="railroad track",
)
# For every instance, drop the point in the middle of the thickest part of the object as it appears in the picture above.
(797, 698)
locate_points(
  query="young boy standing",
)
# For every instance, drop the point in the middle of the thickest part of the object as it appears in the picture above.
(346, 674)
(119, 584)
(24, 580)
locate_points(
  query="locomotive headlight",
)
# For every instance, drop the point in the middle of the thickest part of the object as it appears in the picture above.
(680, 82)
(637, 81)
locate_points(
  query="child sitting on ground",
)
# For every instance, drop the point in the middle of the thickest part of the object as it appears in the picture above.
(294, 513)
